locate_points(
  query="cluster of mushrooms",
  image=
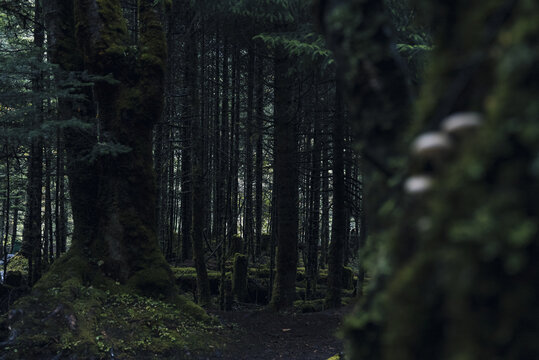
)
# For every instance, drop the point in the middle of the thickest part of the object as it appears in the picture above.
(434, 147)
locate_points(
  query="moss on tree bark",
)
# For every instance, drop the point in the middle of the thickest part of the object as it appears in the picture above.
(463, 287)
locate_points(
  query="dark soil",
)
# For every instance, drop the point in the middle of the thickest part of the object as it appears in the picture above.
(266, 335)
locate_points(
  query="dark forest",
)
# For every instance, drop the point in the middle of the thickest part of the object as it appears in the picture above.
(269, 179)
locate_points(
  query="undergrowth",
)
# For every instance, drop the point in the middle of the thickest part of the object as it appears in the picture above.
(66, 317)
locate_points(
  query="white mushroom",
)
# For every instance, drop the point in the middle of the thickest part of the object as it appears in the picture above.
(461, 123)
(431, 145)
(418, 184)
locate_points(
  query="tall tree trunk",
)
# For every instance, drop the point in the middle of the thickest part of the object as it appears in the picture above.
(59, 197)
(235, 141)
(197, 172)
(32, 229)
(5, 212)
(259, 166)
(171, 196)
(314, 212)
(248, 218)
(224, 184)
(325, 205)
(338, 229)
(186, 206)
(273, 234)
(205, 129)
(362, 240)
(216, 154)
(286, 186)
(186, 184)
(2, 227)
(47, 230)
(160, 171)
(14, 232)
(121, 236)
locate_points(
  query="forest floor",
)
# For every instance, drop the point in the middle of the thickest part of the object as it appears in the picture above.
(266, 335)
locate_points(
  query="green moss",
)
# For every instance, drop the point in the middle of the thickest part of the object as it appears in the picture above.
(260, 273)
(114, 33)
(300, 274)
(18, 263)
(466, 286)
(188, 272)
(151, 60)
(310, 305)
(77, 321)
(335, 357)
(75, 311)
(152, 282)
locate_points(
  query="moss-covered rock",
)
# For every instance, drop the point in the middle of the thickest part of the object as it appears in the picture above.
(18, 263)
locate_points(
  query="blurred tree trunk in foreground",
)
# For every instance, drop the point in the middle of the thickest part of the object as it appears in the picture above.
(462, 283)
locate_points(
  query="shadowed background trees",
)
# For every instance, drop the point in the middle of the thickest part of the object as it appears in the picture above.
(237, 74)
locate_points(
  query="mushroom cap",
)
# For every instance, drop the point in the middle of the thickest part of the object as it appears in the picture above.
(431, 144)
(462, 122)
(418, 184)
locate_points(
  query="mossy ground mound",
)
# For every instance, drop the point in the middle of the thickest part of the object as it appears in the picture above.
(73, 317)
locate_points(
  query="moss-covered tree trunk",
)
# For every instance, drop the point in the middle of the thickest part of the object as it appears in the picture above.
(286, 186)
(465, 285)
(110, 171)
(374, 78)
(469, 290)
(376, 88)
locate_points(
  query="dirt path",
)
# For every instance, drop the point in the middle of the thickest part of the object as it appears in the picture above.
(265, 335)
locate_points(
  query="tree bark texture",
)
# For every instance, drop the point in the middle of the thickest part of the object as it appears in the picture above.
(338, 228)
(286, 186)
(114, 196)
(259, 165)
(197, 173)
